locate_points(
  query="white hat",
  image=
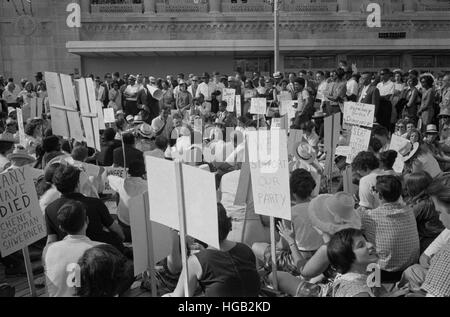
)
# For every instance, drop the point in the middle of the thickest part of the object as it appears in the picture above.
(408, 150)
(20, 153)
(333, 213)
(305, 152)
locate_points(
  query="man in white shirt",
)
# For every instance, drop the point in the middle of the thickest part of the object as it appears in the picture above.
(130, 95)
(60, 258)
(352, 88)
(203, 88)
(193, 88)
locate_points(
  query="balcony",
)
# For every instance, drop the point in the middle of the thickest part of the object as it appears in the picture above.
(248, 6)
(116, 7)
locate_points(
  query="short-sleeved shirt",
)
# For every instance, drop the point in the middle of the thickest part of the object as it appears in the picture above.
(367, 196)
(437, 281)
(229, 274)
(307, 238)
(96, 211)
(392, 229)
(350, 285)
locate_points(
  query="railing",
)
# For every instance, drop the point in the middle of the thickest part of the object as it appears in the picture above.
(249, 6)
(182, 6)
(117, 8)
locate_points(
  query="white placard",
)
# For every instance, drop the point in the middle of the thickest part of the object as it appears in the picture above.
(101, 120)
(238, 106)
(108, 115)
(359, 142)
(258, 106)
(397, 143)
(359, 114)
(269, 171)
(229, 96)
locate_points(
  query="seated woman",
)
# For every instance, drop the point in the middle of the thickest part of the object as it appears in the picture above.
(104, 272)
(228, 272)
(328, 214)
(350, 254)
(428, 224)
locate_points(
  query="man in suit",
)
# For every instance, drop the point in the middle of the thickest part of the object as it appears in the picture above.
(131, 153)
(145, 101)
(369, 93)
(107, 85)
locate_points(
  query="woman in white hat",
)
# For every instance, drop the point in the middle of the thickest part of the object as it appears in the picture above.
(145, 138)
(20, 157)
(418, 159)
(328, 214)
(435, 147)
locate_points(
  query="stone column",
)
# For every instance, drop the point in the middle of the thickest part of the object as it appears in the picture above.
(215, 6)
(85, 6)
(149, 6)
(343, 6)
(409, 6)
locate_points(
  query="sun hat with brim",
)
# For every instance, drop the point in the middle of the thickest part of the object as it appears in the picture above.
(333, 213)
(431, 129)
(157, 126)
(444, 113)
(130, 118)
(408, 150)
(138, 119)
(21, 153)
(11, 110)
(8, 137)
(305, 152)
(145, 130)
(119, 112)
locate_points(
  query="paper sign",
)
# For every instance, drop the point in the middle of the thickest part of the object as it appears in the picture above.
(21, 219)
(397, 143)
(22, 137)
(93, 109)
(120, 172)
(54, 90)
(75, 125)
(276, 123)
(343, 151)
(238, 106)
(144, 232)
(229, 96)
(68, 91)
(84, 107)
(101, 120)
(359, 114)
(359, 142)
(295, 136)
(200, 205)
(269, 171)
(108, 115)
(59, 122)
(258, 106)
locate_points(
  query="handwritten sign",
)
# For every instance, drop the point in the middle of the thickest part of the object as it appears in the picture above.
(258, 106)
(359, 142)
(359, 114)
(21, 219)
(269, 170)
(229, 96)
(120, 172)
(108, 115)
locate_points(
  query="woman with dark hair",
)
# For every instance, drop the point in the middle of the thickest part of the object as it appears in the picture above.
(428, 224)
(104, 272)
(426, 109)
(411, 99)
(52, 148)
(228, 272)
(420, 159)
(387, 160)
(45, 189)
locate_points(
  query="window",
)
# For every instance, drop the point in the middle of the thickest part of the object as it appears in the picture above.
(309, 62)
(443, 61)
(250, 65)
(375, 62)
(424, 61)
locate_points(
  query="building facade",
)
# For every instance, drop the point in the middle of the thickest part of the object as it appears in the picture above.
(162, 37)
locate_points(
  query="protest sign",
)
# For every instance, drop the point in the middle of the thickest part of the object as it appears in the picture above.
(397, 143)
(21, 219)
(332, 130)
(88, 117)
(343, 151)
(116, 171)
(108, 115)
(68, 91)
(101, 120)
(359, 114)
(276, 123)
(54, 90)
(229, 96)
(238, 106)
(258, 106)
(200, 206)
(151, 241)
(22, 138)
(295, 136)
(93, 111)
(269, 170)
(359, 141)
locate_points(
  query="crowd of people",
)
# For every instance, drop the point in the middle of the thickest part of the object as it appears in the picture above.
(396, 219)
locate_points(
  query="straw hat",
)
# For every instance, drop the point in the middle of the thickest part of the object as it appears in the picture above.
(333, 213)
(130, 118)
(277, 75)
(145, 130)
(431, 129)
(138, 119)
(20, 153)
(408, 150)
(444, 113)
(305, 153)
